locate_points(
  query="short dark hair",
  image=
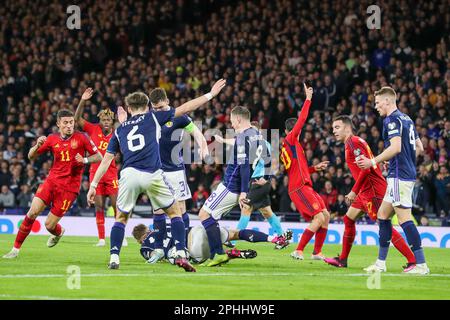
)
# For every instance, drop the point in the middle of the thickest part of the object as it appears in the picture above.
(346, 120)
(139, 231)
(241, 111)
(290, 124)
(136, 100)
(157, 95)
(64, 113)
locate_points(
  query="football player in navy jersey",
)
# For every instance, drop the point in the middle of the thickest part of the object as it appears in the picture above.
(138, 140)
(402, 145)
(233, 189)
(172, 160)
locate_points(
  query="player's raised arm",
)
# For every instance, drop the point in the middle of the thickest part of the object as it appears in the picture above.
(80, 108)
(197, 102)
(303, 113)
(36, 150)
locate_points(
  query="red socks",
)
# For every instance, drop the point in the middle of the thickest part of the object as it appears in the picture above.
(24, 231)
(100, 219)
(349, 237)
(56, 231)
(321, 234)
(400, 244)
(306, 236)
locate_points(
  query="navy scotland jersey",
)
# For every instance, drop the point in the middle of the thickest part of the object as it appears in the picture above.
(171, 136)
(138, 140)
(403, 165)
(247, 151)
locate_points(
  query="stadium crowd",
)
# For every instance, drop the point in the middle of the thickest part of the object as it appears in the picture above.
(265, 50)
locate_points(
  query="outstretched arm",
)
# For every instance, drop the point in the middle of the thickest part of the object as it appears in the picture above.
(303, 113)
(395, 148)
(197, 102)
(80, 109)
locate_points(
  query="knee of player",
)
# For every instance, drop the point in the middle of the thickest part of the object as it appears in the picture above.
(121, 217)
(32, 214)
(326, 215)
(203, 215)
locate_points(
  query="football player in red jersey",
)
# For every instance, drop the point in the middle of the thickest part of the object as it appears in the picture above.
(306, 200)
(100, 133)
(62, 185)
(366, 195)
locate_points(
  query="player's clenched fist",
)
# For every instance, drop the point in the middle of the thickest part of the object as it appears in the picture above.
(79, 158)
(41, 140)
(309, 92)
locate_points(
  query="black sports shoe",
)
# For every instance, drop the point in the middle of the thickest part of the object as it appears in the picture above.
(228, 244)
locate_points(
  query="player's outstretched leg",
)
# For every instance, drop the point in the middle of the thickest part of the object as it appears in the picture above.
(316, 223)
(272, 218)
(321, 235)
(37, 206)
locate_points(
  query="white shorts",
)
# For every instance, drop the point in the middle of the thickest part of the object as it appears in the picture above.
(177, 180)
(198, 245)
(399, 192)
(134, 182)
(220, 202)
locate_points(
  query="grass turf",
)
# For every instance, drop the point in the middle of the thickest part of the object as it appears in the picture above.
(41, 273)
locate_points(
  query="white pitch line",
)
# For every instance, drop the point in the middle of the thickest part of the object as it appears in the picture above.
(228, 274)
(13, 296)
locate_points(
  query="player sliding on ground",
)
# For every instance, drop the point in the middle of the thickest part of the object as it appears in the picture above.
(100, 134)
(137, 139)
(402, 145)
(366, 195)
(198, 245)
(172, 162)
(306, 200)
(62, 185)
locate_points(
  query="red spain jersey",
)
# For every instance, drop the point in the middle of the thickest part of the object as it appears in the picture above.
(101, 141)
(66, 172)
(366, 180)
(293, 156)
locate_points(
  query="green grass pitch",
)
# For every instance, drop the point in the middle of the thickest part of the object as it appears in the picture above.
(41, 273)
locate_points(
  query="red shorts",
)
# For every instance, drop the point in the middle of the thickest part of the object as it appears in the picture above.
(307, 201)
(368, 202)
(60, 199)
(108, 188)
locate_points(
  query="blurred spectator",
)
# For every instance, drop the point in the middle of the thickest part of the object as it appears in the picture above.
(329, 196)
(82, 197)
(25, 196)
(7, 198)
(199, 197)
(442, 185)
